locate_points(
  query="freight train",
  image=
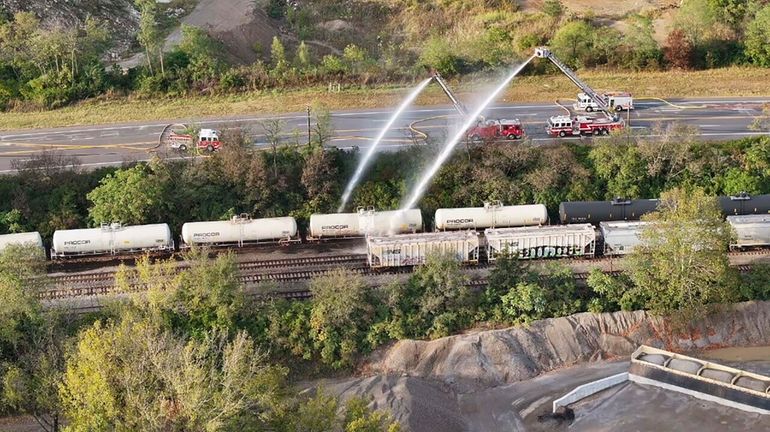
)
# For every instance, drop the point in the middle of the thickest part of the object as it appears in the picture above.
(393, 237)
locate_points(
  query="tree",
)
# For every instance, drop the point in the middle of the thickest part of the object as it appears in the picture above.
(758, 38)
(434, 302)
(130, 196)
(130, 375)
(682, 261)
(573, 42)
(323, 130)
(204, 297)
(320, 179)
(278, 55)
(320, 414)
(553, 8)
(613, 292)
(438, 55)
(507, 273)
(303, 56)
(273, 129)
(22, 275)
(149, 36)
(679, 51)
(340, 316)
(621, 166)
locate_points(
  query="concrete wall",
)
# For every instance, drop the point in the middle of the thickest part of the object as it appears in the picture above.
(589, 389)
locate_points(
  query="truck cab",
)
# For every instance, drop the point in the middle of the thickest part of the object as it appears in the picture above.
(208, 139)
(492, 129)
(617, 101)
(560, 126)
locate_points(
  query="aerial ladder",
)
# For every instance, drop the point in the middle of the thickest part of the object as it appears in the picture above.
(457, 104)
(544, 52)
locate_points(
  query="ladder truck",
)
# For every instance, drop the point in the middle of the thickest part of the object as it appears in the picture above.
(581, 125)
(485, 129)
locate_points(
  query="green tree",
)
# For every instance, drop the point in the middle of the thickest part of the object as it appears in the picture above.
(340, 316)
(22, 275)
(204, 297)
(613, 292)
(438, 55)
(131, 376)
(130, 196)
(320, 179)
(434, 302)
(149, 35)
(507, 273)
(682, 261)
(524, 303)
(553, 8)
(758, 38)
(573, 42)
(302, 57)
(621, 167)
(278, 55)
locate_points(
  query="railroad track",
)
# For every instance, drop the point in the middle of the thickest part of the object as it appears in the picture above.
(256, 272)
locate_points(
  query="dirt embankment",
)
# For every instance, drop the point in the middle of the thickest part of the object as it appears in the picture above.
(491, 358)
(498, 380)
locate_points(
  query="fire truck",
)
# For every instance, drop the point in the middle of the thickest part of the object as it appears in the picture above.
(618, 101)
(208, 139)
(563, 126)
(495, 129)
(484, 129)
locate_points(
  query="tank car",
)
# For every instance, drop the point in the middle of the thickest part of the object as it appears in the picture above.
(546, 241)
(750, 230)
(363, 223)
(593, 212)
(744, 204)
(620, 237)
(111, 239)
(492, 215)
(28, 238)
(240, 230)
(413, 249)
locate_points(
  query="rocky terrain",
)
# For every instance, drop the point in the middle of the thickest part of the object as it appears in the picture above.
(501, 378)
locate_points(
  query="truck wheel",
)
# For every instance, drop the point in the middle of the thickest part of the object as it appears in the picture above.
(605, 131)
(589, 108)
(618, 108)
(562, 134)
(475, 139)
(512, 137)
(183, 148)
(210, 148)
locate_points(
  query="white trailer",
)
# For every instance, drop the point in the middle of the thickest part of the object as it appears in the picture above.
(547, 241)
(750, 230)
(365, 222)
(413, 249)
(621, 237)
(239, 231)
(22, 239)
(492, 215)
(111, 239)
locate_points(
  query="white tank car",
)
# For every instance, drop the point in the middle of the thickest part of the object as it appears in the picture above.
(374, 223)
(110, 239)
(365, 222)
(750, 230)
(240, 230)
(334, 225)
(621, 237)
(29, 238)
(413, 249)
(546, 241)
(494, 215)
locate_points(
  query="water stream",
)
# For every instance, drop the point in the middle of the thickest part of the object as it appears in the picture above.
(370, 152)
(451, 144)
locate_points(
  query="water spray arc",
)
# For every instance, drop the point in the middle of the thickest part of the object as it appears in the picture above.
(370, 152)
(451, 144)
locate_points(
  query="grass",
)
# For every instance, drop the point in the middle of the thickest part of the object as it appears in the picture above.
(715, 82)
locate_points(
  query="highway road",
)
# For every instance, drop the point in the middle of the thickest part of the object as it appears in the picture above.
(715, 118)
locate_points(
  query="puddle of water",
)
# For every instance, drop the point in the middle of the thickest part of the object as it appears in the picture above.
(737, 354)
